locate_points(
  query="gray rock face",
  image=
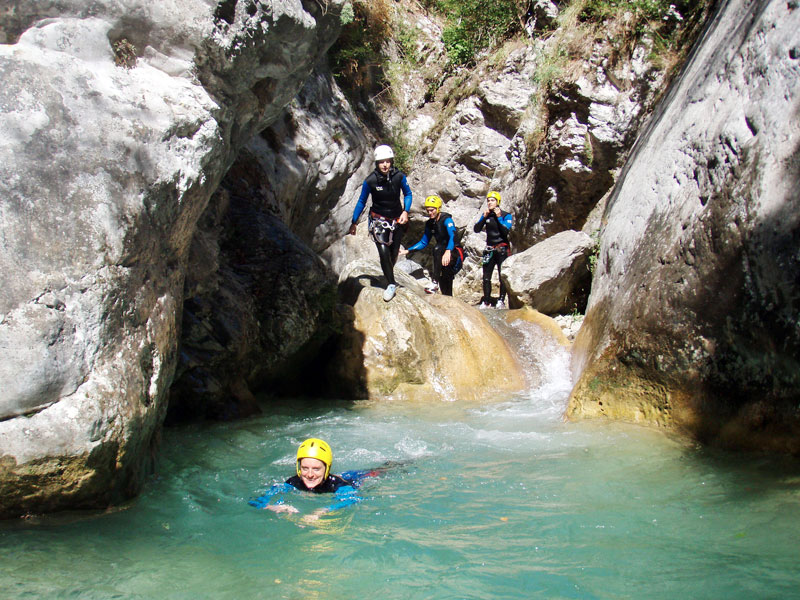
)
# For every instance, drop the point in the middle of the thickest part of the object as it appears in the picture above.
(692, 319)
(591, 127)
(553, 276)
(310, 163)
(256, 318)
(104, 172)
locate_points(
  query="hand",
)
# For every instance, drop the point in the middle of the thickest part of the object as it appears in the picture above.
(282, 508)
(314, 516)
(497, 211)
(402, 251)
(486, 213)
(446, 258)
(403, 218)
(352, 230)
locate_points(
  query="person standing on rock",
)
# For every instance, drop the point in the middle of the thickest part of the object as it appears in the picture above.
(388, 216)
(497, 223)
(447, 257)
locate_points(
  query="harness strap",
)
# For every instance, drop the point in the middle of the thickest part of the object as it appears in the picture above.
(381, 219)
(500, 245)
(381, 229)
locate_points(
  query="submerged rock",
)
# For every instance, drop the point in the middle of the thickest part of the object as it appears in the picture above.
(417, 346)
(693, 317)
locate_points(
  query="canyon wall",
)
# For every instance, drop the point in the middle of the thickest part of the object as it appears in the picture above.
(119, 121)
(693, 316)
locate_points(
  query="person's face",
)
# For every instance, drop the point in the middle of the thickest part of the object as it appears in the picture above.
(432, 212)
(312, 471)
(384, 165)
(491, 203)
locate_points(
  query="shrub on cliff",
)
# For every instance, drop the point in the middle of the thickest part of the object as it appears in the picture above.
(476, 25)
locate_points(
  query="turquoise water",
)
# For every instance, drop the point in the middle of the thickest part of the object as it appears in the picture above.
(497, 500)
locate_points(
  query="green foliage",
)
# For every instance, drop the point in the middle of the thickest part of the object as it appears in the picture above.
(124, 54)
(664, 20)
(594, 256)
(600, 10)
(550, 67)
(348, 15)
(475, 25)
(366, 25)
(406, 39)
(403, 153)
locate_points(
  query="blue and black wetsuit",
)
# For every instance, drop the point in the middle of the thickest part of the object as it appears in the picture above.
(497, 250)
(385, 191)
(344, 488)
(444, 230)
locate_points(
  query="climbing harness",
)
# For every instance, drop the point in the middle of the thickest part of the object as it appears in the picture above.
(381, 229)
(489, 250)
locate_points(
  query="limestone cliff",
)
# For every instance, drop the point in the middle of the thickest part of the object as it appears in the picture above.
(119, 121)
(694, 311)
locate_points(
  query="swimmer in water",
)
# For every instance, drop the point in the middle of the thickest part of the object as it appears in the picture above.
(314, 459)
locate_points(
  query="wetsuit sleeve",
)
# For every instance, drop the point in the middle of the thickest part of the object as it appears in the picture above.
(507, 220)
(278, 488)
(423, 242)
(479, 225)
(362, 201)
(451, 234)
(406, 194)
(345, 496)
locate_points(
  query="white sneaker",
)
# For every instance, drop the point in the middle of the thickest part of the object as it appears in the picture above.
(500, 305)
(432, 288)
(483, 306)
(389, 292)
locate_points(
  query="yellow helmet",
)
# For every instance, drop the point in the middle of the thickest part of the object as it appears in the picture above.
(315, 448)
(433, 202)
(495, 195)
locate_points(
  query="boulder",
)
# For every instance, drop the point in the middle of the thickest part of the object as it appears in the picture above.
(692, 318)
(553, 276)
(417, 347)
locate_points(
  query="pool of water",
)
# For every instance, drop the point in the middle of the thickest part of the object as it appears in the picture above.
(501, 499)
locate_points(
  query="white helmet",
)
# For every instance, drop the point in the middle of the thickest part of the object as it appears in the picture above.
(383, 152)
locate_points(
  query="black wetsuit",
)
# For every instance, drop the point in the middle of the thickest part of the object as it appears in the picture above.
(443, 230)
(330, 485)
(385, 192)
(497, 250)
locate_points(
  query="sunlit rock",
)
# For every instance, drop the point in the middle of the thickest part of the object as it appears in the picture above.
(417, 346)
(591, 126)
(118, 120)
(553, 276)
(693, 317)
